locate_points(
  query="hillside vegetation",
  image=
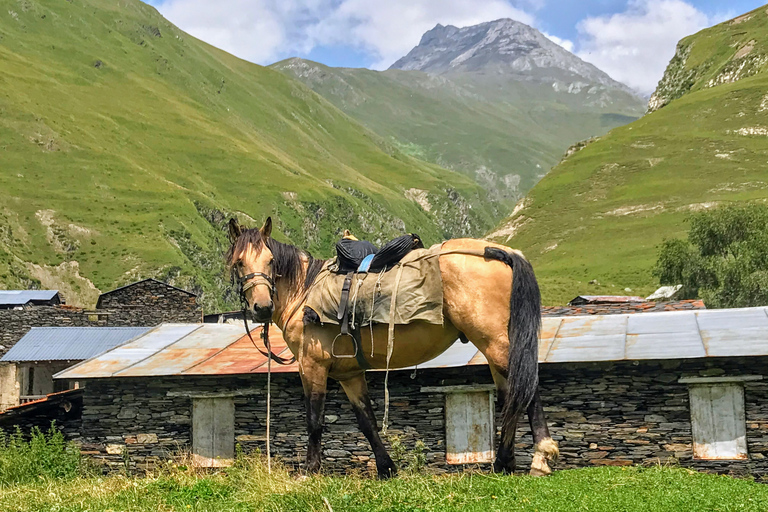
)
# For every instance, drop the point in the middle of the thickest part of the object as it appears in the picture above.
(125, 143)
(601, 214)
(502, 116)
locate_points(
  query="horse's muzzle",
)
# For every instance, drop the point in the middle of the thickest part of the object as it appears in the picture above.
(262, 313)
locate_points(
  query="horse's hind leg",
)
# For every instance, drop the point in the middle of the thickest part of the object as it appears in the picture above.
(505, 456)
(315, 381)
(545, 447)
(356, 389)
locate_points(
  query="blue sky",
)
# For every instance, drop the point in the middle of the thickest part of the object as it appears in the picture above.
(632, 40)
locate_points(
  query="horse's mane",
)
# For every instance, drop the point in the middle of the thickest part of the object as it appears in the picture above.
(287, 258)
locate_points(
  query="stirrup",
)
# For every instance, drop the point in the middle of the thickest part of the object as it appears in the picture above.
(344, 356)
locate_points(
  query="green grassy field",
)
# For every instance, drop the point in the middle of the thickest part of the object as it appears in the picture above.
(248, 487)
(124, 142)
(43, 473)
(502, 132)
(602, 213)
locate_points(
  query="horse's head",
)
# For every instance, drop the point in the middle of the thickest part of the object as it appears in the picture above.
(251, 264)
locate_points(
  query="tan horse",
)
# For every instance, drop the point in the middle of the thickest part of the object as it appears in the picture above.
(489, 302)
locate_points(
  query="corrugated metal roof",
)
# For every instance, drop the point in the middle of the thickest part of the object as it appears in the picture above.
(21, 297)
(604, 299)
(69, 343)
(219, 349)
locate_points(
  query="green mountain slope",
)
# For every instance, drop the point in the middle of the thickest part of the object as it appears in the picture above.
(125, 142)
(601, 213)
(502, 131)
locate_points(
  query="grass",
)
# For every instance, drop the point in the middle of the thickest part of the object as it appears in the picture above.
(248, 487)
(48, 475)
(602, 213)
(120, 134)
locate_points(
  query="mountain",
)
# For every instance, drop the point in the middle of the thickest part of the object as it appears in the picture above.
(125, 144)
(503, 47)
(594, 223)
(498, 102)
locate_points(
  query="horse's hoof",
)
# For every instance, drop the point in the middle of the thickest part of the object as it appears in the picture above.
(387, 472)
(504, 469)
(542, 470)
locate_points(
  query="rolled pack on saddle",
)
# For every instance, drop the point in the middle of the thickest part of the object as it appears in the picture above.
(397, 284)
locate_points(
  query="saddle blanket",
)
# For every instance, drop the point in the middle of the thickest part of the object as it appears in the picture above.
(415, 282)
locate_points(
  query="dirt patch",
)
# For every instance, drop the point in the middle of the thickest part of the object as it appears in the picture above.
(419, 197)
(745, 50)
(631, 210)
(753, 130)
(763, 104)
(741, 19)
(65, 277)
(698, 207)
(653, 162)
(508, 230)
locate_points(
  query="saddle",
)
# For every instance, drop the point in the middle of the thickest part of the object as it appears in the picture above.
(359, 257)
(362, 256)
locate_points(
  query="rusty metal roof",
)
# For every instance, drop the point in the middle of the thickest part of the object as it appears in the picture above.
(184, 349)
(220, 349)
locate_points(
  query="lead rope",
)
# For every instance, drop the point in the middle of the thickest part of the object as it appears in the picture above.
(265, 334)
(390, 346)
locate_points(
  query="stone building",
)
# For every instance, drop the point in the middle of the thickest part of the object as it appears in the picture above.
(146, 303)
(150, 302)
(681, 386)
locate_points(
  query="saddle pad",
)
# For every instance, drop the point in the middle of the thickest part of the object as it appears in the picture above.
(419, 293)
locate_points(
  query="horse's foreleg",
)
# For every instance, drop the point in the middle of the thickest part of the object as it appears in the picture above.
(356, 389)
(546, 447)
(315, 381)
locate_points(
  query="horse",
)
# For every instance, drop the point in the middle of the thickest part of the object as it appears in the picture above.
(493, 303)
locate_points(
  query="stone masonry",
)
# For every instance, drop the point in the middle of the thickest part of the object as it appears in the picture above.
(601, 414)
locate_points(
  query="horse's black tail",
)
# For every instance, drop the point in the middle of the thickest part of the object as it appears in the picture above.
(524, 324)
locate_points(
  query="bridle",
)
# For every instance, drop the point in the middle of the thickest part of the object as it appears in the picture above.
(245, 283)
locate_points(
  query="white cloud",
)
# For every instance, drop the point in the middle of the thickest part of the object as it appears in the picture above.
(263, 31)
(565, 43)
(635, 46)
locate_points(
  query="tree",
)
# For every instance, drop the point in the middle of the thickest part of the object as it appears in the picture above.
(724, 260)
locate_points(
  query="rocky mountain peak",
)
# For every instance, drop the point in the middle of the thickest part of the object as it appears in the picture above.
(500, 47)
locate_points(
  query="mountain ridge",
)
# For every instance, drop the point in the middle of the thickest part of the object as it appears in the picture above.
(502, 128)
(594, 224)
(490, 45)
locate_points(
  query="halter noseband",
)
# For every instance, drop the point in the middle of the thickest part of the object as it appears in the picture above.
(247, 282)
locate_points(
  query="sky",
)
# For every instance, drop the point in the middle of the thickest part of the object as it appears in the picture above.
(631, 40)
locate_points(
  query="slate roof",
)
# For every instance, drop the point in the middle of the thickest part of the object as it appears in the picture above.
(11, 298)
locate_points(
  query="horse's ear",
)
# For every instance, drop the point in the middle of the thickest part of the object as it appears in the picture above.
(234, 230)
(266, 229)
(348, 235)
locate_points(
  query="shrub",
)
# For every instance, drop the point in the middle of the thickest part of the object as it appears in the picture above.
(724, 260)
(43, 455)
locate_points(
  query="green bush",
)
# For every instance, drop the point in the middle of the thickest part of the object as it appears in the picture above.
(43, 455)
(724, 260)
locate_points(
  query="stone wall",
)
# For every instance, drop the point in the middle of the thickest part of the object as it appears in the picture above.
(600, 413)
(150, 302)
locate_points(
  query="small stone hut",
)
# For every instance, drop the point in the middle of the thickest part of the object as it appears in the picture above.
(680, 386)
(150, 302)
